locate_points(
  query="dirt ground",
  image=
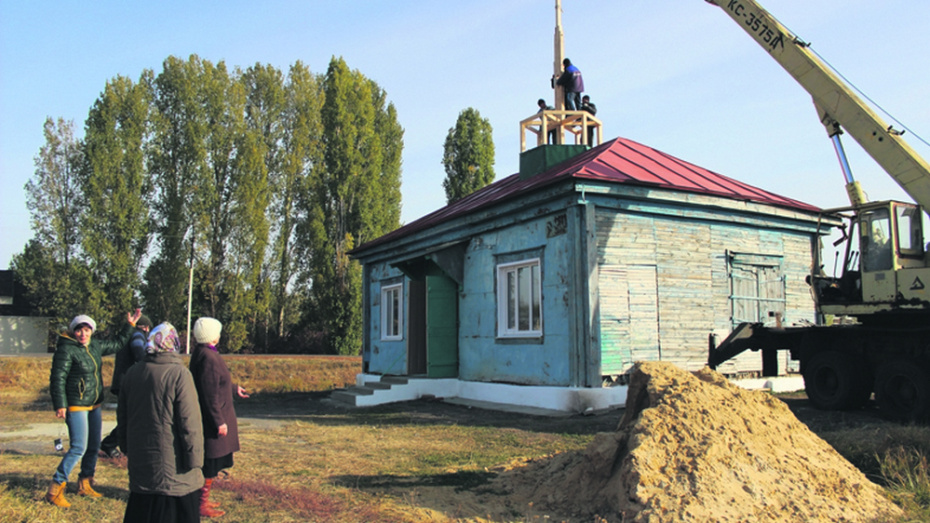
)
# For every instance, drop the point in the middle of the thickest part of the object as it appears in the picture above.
(537, 490)
(744, 453)
(694, 447)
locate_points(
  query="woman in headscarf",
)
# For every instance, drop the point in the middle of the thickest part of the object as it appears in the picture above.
(215, 390)
(161, 433)
(76, 386)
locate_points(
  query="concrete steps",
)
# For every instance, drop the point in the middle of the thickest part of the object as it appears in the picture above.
(371, 392)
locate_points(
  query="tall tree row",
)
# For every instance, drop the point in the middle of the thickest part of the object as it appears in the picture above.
(260, 180)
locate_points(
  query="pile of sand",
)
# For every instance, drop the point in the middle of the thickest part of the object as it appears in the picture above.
(693, 447)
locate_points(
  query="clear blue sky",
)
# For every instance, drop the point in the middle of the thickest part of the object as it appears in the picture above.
(678, 75)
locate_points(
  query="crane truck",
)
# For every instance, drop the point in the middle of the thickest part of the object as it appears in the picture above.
(883, 346)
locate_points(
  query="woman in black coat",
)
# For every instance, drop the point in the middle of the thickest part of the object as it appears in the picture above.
(215, 388)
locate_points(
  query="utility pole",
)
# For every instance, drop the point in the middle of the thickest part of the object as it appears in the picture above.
(190, 298)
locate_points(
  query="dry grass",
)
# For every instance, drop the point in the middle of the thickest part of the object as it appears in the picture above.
(271, 374)
(301, 461)
(306, 460)
(894, 456)
(24, 478)
(29, 374)
(24, 380)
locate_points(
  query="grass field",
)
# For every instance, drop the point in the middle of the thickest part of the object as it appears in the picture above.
(305, 458)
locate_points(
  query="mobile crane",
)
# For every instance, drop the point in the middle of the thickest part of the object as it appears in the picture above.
(885, 349)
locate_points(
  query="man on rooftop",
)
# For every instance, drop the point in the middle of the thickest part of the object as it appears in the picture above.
(572, 85)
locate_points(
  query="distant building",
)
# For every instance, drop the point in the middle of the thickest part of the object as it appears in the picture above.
(20, 333)
(8, 289)
(564, 275)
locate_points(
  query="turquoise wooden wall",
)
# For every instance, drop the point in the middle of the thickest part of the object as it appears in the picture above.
(628, 273)
(384, 357)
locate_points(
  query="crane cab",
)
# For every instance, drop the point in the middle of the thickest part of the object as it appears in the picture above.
(885, 263)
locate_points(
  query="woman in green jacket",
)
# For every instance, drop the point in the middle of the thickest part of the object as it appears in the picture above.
(76, 386)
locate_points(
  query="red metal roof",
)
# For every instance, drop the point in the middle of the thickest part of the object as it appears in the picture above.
(617, 161)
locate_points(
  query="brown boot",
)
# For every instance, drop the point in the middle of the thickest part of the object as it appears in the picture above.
(56, 494)
(208, 509)
(86, 489)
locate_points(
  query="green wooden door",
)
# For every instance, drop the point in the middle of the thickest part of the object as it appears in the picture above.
(442, 349)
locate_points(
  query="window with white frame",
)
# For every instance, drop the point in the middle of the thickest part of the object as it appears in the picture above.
(519, 299)
(392, 312)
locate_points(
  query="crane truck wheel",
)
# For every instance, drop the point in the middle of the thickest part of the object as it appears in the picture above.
(902, 391)
(835, 382)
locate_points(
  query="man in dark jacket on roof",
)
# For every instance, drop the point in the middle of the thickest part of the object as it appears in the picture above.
(572, 85)
(589, 107)
(132, 352)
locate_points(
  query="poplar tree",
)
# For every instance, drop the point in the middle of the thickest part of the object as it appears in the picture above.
(300, 158)
(349, 193)
(247, 290)
(264, 123)
(256, 157)
(116, 187)
(214, 195)
(56, 279)
(53, 194)
(468, 155)
(386, 207)
(178, 163)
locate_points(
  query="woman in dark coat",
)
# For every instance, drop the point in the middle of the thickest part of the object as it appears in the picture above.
(160, 430)
(216, 389)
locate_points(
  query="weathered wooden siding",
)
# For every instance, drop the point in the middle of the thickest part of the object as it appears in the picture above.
(628, 274)
(665, 284)
(629, 316)
(686, 301)
(384, 357)
(544, 361)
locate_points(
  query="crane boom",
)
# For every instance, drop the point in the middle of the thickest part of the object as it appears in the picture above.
(836, 103)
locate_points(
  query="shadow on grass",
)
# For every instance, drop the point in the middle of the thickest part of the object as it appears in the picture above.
(819, 420)
(319, 409)
(39, 405)
(38, 484)
(24, 481)
(463, 480)
(307, 504)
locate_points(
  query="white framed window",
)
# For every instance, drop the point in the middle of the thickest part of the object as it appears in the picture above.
(392, 312)
(519, 299)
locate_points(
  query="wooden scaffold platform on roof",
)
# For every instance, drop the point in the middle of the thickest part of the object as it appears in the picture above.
(575, 123)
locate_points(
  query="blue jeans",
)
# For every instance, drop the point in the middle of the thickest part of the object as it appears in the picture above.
(84, 428)
(572, 101)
